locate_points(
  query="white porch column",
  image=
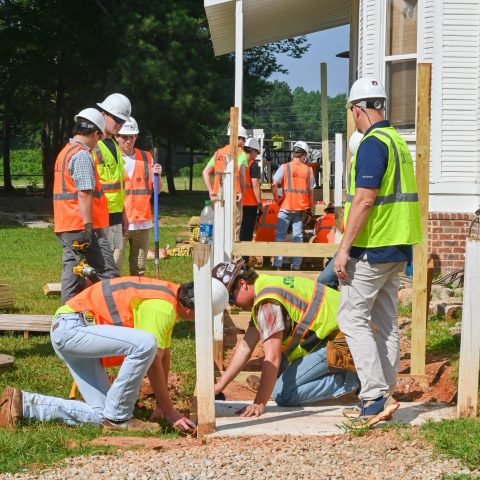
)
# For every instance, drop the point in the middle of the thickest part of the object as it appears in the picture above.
(239, 58)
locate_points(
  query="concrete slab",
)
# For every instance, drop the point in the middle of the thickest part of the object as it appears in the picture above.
(313, 420)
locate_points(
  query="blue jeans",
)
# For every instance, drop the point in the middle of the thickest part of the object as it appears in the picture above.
(283, 222)
(81, 348)
(307, 380)
(328, 277)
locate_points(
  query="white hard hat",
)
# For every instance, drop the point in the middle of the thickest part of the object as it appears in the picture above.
(118, 105)
(354, 141)
(367, 89)
(303, 145)
(219, 297)
(94, 117)
(130, 127)
(242, 132)
(252, 143)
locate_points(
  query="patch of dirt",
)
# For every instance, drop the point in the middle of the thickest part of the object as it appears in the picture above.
(35, 204)
(151, 443)
(146, 398)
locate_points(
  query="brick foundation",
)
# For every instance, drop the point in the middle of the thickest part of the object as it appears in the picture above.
(446, 239)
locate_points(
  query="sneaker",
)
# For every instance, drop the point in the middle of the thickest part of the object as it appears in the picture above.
(11, 407)
(132, 425)
(374, 411)
(253, 381)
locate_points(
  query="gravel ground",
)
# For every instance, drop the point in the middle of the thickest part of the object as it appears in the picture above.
(382, 455)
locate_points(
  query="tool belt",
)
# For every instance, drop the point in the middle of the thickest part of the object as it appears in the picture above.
(339, 357)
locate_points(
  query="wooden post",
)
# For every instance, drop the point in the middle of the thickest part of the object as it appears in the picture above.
(202, 275)
(233, 158)
(325, 149)
(470, 343)
(420, 251)
(338, 198)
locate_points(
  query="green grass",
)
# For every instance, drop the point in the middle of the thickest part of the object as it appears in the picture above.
(29, 258)
(456, 439)
(439, 341)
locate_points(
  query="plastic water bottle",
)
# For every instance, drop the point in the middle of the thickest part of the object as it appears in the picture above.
(206, 224)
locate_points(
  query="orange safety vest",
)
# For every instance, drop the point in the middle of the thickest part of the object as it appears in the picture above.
(295, 186)
(111, 301)
(219, 166)
(267, 223)
(138, 189)
(325, 229)
(249, 198)
(66, 212)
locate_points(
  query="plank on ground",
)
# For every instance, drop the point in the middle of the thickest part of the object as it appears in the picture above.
(30, 323)
(285, 249)
(52, 288)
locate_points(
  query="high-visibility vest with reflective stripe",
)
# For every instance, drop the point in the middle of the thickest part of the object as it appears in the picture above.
(312, 307)
(295, 186)
(325, 229)
(249, 198)
(111, 301)
(66, 212)
(267, 223)
(112, 173)
(394, 218)
(220, 165)
(138, 189)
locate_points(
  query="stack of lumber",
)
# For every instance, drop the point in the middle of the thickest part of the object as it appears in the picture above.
(193, 222)
(7, 296)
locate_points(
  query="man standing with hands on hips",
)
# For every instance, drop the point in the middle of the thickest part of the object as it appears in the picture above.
(382, 222)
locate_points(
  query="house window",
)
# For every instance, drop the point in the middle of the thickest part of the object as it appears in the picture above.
(401, 62)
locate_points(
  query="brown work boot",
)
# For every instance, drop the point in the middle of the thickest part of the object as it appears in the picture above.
(132, 425)
(253, 381)
(11, 407)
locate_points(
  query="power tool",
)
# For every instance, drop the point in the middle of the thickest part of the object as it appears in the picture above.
(82, 269)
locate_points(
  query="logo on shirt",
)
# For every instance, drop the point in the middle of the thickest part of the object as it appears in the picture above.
(289, 282)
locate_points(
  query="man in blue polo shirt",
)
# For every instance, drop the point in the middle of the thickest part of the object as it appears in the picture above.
(382, 222)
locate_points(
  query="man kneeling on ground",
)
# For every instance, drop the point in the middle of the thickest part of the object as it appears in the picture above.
(292, 316)
(127, 316)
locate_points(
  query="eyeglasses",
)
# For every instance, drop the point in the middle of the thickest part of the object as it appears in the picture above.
(115, 119)
(231, 296)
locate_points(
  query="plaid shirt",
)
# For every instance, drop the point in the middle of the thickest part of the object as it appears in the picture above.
(81, 168)
(272, 318)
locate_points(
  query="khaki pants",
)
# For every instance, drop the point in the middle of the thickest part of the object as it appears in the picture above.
(368, 318)
(138, 240)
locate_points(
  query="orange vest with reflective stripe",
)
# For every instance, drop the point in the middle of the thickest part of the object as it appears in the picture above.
(249, 198)
(66, 212)
(295, 186)
(265, 230)
(219, 166)
(111, 301)
(325, 229)
(138, 189)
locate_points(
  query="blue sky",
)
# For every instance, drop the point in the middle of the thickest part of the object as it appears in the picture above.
(305, 72)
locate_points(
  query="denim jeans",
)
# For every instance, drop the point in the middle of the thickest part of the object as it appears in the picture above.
(328, 277)
(81, 348)
(307, 380)
(283, 222)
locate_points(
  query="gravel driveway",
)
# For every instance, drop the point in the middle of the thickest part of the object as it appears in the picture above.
(380, 455)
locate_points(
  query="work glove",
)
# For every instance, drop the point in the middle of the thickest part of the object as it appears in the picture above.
(259, 213)
(84, 238)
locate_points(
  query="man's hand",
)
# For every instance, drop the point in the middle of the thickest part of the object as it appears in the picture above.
(157, 414)
(180, 422)
(157, 169)
(254, 410)
(84, 238)
(239, 197)
(213, 196)
(340, 265)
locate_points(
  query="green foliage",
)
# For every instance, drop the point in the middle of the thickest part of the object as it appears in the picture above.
(297, 114)
(456, 439)
(439, 339)
(197, 169)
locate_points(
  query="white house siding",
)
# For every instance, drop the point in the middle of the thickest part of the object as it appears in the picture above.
(368, 39)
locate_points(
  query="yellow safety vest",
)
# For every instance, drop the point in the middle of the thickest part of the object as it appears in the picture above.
(313, 308)
(112, 173)
(394, 218)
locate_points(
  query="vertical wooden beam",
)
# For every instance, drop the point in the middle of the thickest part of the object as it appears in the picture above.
(233, 158)
(470, 344)
(420, 251)
(202, 275)
(325, 149)
(239, 57)
(338, 192)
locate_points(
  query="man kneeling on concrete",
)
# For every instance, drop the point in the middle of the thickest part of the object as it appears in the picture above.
(292, 316)
(127, 316)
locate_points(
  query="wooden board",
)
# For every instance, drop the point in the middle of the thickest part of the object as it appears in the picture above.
(25, 323)
(52, 288)
(285, 249)
(290, 273)
(6, 361)
(7, 295)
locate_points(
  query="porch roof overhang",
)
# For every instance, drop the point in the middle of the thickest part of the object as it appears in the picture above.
(268, 21)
